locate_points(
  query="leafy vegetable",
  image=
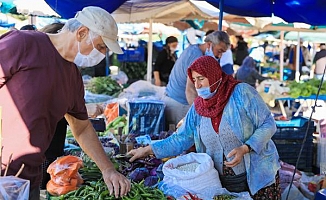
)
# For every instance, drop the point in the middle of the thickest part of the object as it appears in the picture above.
(104, 85)
(306, 89)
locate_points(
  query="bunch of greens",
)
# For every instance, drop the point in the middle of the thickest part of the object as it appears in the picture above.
(104, 85)
(306, 89)
(134, 70)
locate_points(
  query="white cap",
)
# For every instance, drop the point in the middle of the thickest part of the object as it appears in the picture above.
(101, 22)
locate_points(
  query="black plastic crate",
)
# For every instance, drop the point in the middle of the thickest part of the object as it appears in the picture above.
(295, 130)
(288, 140)
(288, 151)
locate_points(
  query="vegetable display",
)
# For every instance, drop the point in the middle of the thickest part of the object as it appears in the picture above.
(118, 122)
(98, 191)
(224, 197)
(104, 85)
(134, 70)
(306, 89)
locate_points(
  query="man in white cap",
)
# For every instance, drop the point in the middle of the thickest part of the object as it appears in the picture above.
(40, 83)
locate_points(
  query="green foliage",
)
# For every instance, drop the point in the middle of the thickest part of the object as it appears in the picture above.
(134, 70)
(104, 85)
(306, 89)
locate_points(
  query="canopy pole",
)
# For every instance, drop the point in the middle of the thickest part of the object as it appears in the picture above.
(282, 56)
(297, 72)
(220, 19)
(150, 51)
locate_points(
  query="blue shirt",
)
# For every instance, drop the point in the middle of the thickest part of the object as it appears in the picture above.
(176, 88)
(251, 122)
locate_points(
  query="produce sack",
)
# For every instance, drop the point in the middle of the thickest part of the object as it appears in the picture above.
(193, 172)
(64, 175)
(14, 188)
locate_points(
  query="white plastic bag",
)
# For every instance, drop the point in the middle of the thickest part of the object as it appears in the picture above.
(203, 179)
(14, 188)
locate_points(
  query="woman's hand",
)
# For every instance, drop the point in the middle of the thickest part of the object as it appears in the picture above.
(141, 152)
(237, 154)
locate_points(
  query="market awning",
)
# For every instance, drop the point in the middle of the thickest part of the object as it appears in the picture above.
(305, 11)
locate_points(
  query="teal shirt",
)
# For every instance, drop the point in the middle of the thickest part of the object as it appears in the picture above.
(250, 120)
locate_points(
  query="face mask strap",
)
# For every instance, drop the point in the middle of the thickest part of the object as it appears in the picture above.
(78, 44)
(220, 80)
(90, 37)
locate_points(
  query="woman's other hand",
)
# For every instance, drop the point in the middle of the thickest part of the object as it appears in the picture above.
(237, 154)
(141, 152)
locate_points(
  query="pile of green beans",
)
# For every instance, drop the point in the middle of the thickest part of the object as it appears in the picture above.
(98, 191)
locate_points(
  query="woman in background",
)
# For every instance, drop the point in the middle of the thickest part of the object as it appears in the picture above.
(165, 61)
(247, 72)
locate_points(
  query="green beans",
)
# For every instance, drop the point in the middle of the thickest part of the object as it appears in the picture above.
(97, 190)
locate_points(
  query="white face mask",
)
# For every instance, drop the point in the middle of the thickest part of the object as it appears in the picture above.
(173, 50)
(90, 60)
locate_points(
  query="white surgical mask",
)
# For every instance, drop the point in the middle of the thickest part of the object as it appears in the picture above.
(172, 50)
(92, 59)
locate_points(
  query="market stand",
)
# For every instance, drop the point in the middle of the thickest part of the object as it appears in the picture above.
(303, 103)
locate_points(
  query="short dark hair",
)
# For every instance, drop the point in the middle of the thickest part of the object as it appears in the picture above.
(30, 27)
(209, 32)
(52, 28)
(170, 39)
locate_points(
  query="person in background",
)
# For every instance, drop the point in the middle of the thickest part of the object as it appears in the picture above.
(320, 62)
(248, 73)
(226, 60)
(304, 59)
(180, 91)
(56, 148)
(29, 27)
(241, 50)
(230, 122)
(165, 61)
(30, 84)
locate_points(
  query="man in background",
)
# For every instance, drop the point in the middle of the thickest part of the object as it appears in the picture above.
(180, 91)
(319, 62)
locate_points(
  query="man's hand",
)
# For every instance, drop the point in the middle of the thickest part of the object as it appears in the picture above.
(88, 140)
(238, 155)
(116, 182)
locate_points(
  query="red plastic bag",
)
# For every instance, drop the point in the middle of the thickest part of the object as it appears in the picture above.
(64, 175)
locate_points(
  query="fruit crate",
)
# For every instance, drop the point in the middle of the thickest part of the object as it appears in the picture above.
(289, 138)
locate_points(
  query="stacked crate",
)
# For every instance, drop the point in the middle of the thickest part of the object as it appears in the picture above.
(289, 139)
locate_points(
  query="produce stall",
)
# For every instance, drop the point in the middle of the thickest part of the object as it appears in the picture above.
(132, 117)
(124, 118)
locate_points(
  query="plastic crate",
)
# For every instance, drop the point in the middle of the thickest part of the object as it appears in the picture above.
(294, 129)
(98, 124)
(288, 140)
(132, 55)
(146, 117)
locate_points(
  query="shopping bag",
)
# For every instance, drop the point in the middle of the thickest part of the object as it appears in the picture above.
(14, 188)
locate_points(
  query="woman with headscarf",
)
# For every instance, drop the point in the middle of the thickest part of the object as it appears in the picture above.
(247, 72)
(231, 123)
(165, 61)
